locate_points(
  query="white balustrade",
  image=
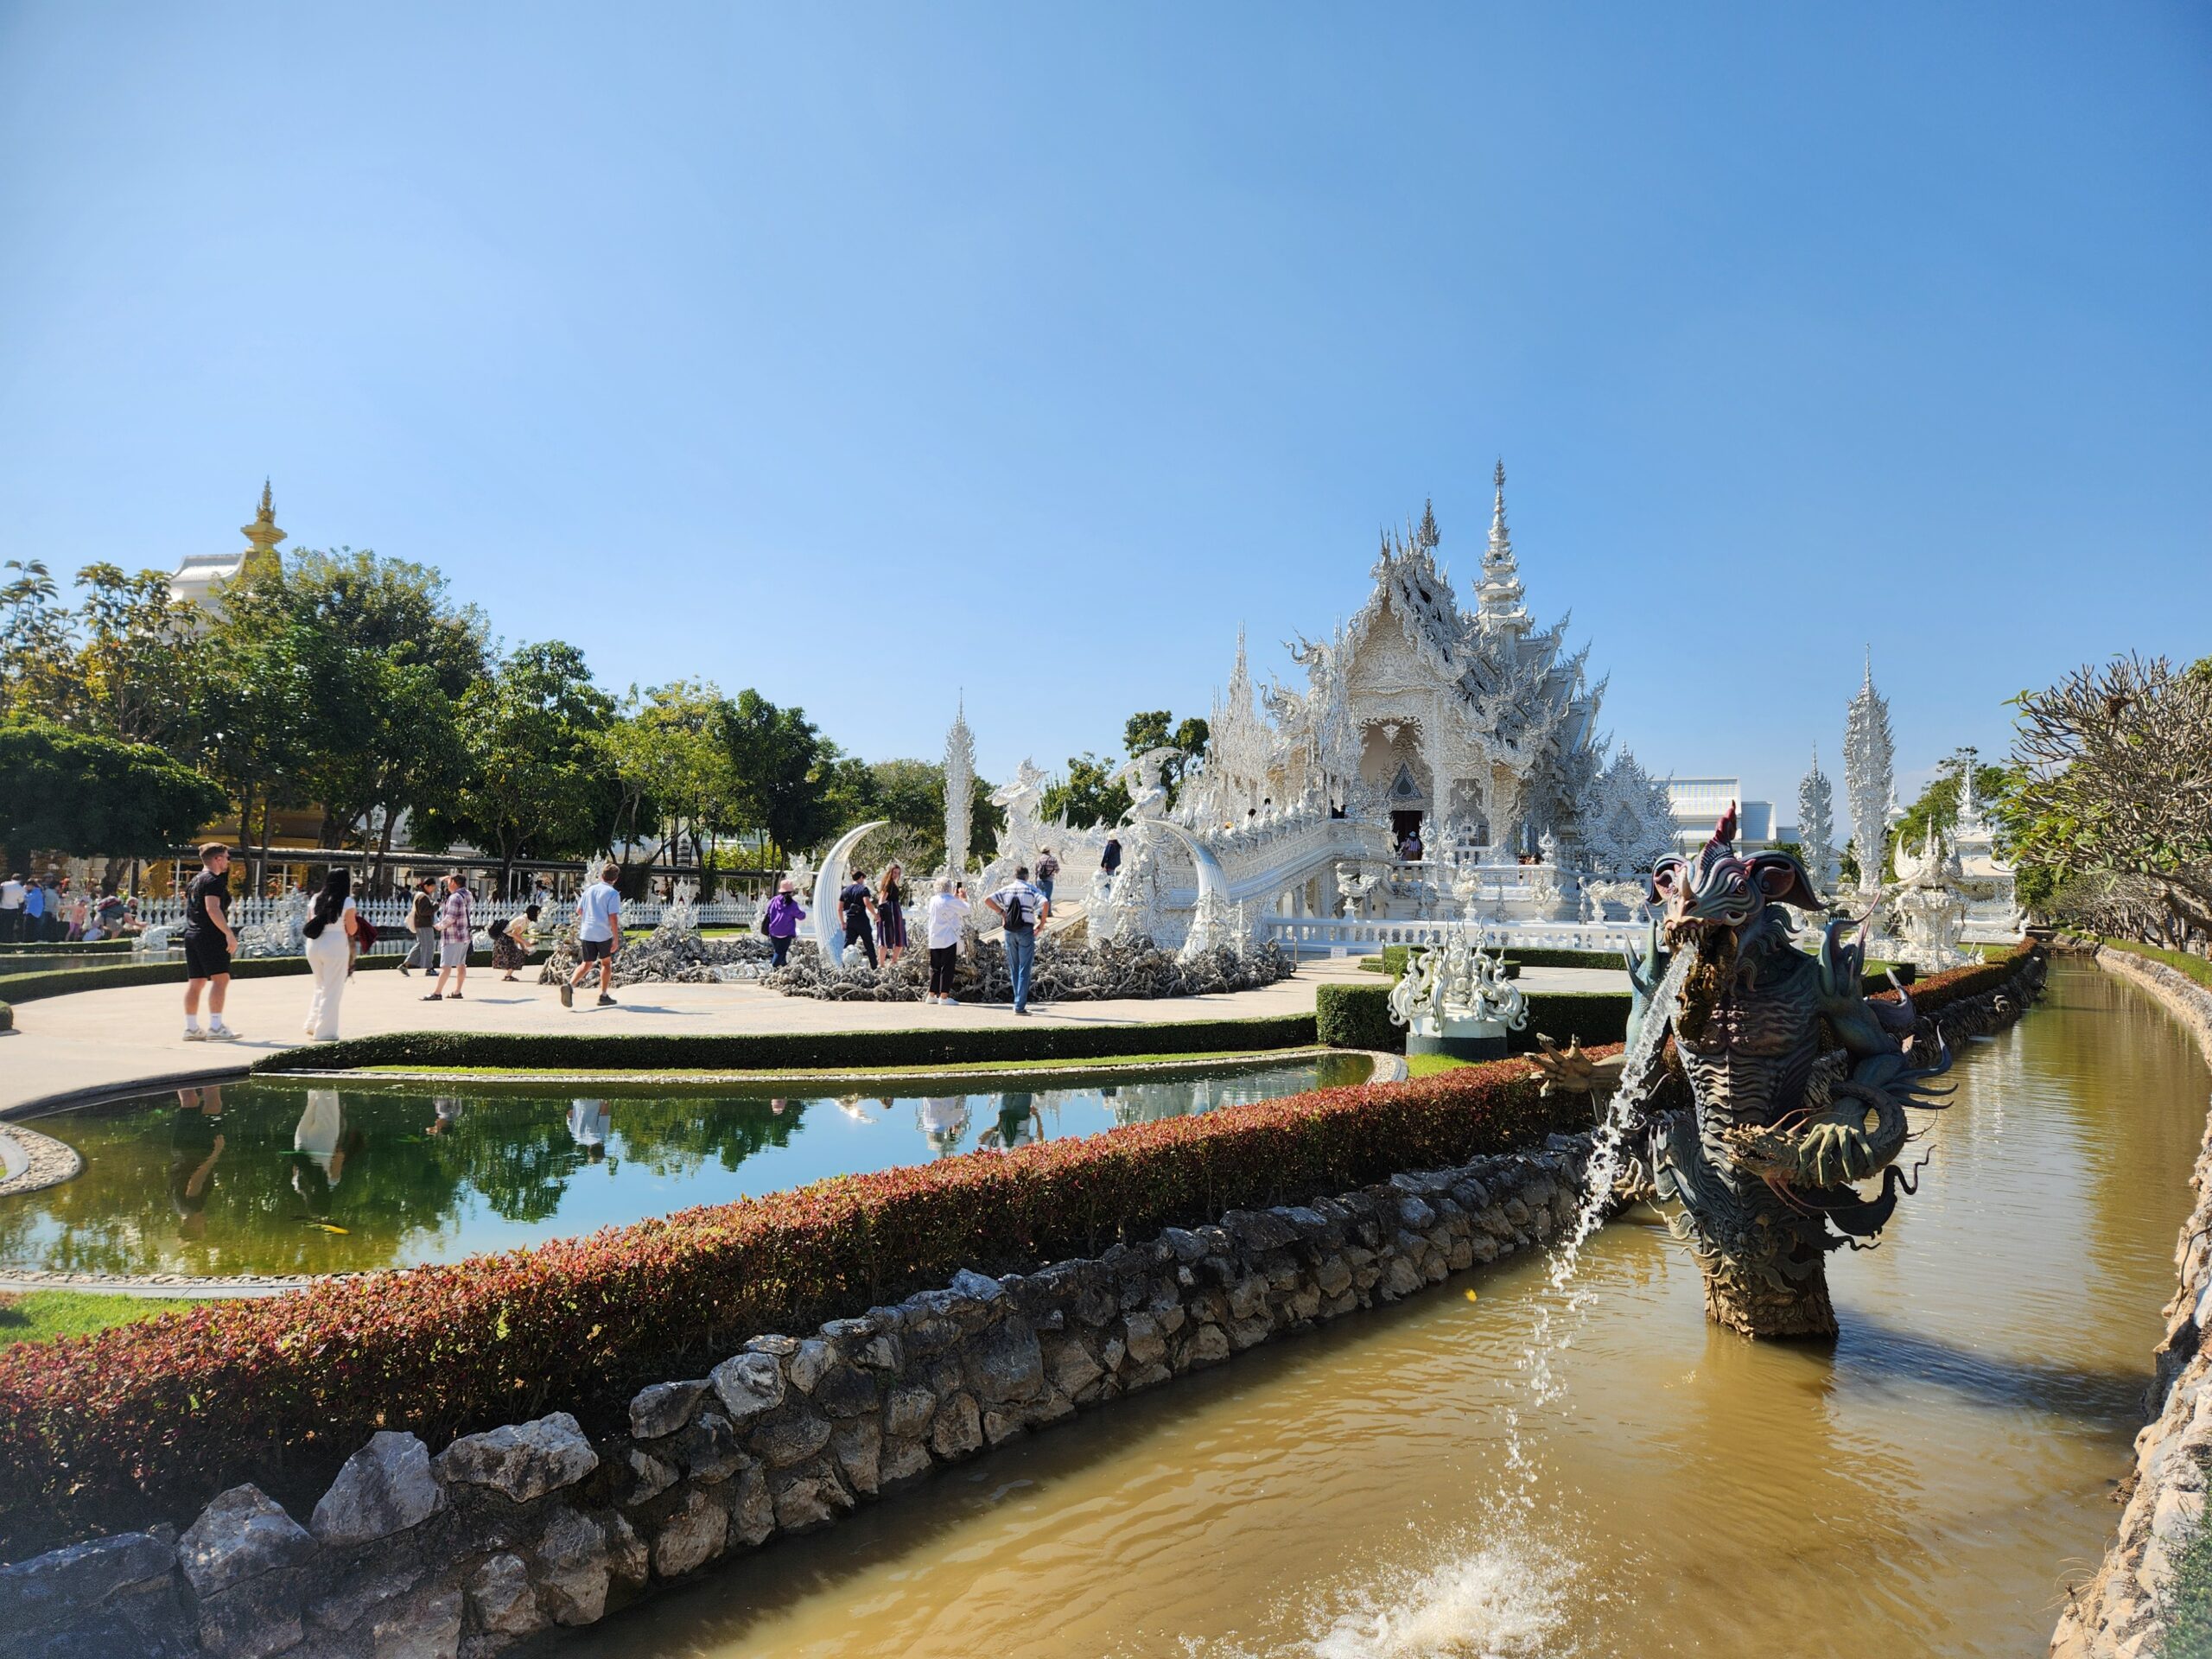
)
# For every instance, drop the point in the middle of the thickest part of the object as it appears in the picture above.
(1309, 936)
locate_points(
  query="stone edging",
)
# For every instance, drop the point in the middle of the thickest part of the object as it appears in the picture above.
(503, 1533)
(1385, 1068)
(2123, 1609)
(44, 1161)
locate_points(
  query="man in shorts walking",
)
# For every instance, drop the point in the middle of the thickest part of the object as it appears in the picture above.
(598, 936)
(208, 945)
(456, 930)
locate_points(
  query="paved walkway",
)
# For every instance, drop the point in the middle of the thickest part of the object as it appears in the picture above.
(64, 1046)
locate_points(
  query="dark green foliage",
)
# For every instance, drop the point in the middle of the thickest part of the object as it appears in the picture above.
(61, 982)
(68, 791)
(1356, 1016)
(787, 1051)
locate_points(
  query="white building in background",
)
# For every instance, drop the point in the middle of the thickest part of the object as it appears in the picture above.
(1699, 802)
(193, 582)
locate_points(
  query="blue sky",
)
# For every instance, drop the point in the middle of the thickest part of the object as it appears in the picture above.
(863, 354)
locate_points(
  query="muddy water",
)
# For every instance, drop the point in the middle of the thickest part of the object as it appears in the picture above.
(1927, 1486)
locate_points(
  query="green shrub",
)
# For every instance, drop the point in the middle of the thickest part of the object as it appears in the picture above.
(64, 948)
(787, 1051)
(1356, 1016)
(1593, 1017)
(62, 982)
(148, 1421)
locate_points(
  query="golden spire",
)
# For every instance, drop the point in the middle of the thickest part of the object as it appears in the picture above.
(262, 535)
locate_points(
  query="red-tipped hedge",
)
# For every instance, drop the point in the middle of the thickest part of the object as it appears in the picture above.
(148, 1421)
(1939, 991)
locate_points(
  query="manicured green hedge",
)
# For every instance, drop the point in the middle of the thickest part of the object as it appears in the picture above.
(1358, 1016)
(148, 1421)
(62, 982)
(2180, 961)
(785, 1051)
(64, 948)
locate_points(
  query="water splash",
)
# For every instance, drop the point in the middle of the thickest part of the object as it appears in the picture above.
(1499, 1601)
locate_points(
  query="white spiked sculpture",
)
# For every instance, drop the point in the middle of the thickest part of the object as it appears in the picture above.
(1816, 826)
(959, 791)
(1867, 756)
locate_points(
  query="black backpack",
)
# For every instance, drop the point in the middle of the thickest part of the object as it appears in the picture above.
(1015, 918)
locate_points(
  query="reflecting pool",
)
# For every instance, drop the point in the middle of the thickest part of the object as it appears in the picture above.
(274, 1178)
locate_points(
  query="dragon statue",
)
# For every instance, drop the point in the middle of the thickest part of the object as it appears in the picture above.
(1796, 1085)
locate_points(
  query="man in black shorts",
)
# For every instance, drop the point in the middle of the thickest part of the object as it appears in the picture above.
(208, 943)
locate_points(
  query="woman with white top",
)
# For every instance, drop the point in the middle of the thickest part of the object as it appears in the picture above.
(948, 915)
(329, 932)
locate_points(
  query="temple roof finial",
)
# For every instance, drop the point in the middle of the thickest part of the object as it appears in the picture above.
(1499, 591)
(262, 535)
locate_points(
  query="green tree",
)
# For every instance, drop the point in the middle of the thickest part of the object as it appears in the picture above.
(1090, 794)
(1156, 729)
(677, 780)
(1937, 805)
(255, 710)
(82, 794)
(782, 766)
(537, 781)
(139, 663)
(38, 675)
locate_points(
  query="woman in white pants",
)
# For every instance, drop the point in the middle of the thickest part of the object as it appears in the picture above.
(329, 932)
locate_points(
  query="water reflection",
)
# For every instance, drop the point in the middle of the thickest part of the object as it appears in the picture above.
(262, 1177)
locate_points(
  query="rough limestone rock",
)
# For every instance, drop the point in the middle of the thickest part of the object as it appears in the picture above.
(48, 1587)
(858, 1447)
(378, 1577)
(709, 1448)
(664, 1408)
(693, 1535)
(752, 1513)
(1063, 972)
(792, 1439)
(500, 1594)
(242, 1534)
(572, 1552)
(385, 1487)
(628, 1558)
(749, 1385)
(958, 1429)
(1005, 1364)
(524, 1460)
(909, 1411)
(427, 1626)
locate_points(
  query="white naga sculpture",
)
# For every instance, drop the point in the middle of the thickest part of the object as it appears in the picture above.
(1867, 757)
(1925, 910)
(1456, 1000)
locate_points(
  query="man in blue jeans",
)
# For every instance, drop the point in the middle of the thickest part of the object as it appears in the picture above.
(1023, 910)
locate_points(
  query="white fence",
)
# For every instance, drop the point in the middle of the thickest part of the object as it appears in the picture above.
(1322, 936)
(390, 915)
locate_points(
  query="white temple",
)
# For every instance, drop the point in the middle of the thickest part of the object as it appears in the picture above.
(1457, 724)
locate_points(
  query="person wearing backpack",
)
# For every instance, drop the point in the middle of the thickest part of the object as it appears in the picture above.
(1048, 871)
(1022, 910)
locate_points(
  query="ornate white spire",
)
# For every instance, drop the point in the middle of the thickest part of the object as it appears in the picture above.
(1499, 591)
(1867, 756)
(1816, 826)
(959, 791)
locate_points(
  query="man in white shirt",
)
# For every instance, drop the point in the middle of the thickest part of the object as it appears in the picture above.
(588, 1121)
(1022, 910)
(11, 910)
(598, 936)
(947, 914)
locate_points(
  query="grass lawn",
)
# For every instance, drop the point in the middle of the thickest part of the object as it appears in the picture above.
(991, 1067)
(34, 1315)
(724, 932)
(1428, 1065)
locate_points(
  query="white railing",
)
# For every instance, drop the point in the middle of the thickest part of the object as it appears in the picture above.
(390, 915)
(1310, 935)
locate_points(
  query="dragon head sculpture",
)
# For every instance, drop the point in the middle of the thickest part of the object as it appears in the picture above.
(1719, 895)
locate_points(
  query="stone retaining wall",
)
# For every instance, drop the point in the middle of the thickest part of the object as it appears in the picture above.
(501, 1535)
(2122, 1611)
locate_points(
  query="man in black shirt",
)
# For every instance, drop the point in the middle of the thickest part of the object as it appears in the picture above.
(857, 906)
(208, 943)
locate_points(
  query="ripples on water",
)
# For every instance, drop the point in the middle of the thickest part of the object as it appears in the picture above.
(1925, 1486)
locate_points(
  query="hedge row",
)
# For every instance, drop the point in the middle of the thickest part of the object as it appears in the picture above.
(147, 1421)
(64, 948)
(62, 982)
(785, 1051)
(1358, 1016)
(2180, 961)
(1392, 962)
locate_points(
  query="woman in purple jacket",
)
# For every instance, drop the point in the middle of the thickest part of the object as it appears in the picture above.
(780, 922)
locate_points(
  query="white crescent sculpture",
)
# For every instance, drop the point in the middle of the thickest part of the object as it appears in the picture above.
(828, 937)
